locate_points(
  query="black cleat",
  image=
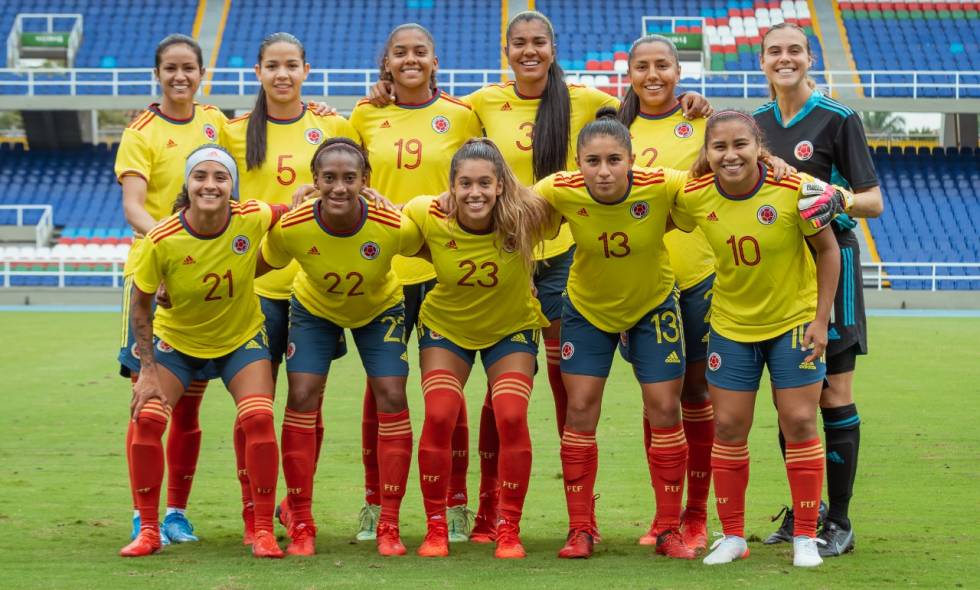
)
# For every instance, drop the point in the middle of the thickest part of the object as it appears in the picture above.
(784, 534)
(836, 540)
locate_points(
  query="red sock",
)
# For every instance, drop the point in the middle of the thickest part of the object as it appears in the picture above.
(394, 460)
(238, 438)
(457, 495)
(184, 445)
(668, 457)
(489, 446)
(579, 464)
(443, 395)
(369, 448)
(318, 431)
(511, 396)
(261, 455)
(647, 437)
(804, 469)
(730, 470)
(699, 429)
(146, 461)
(130, 429)
(552, 350)
(299, 462)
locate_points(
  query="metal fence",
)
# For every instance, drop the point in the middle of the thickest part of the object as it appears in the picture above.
(935, 273)
(42, 228)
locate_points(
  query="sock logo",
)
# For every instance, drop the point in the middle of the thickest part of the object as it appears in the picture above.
(722, 500)
(808, 503)
(294, 491)
(834, 457)
(510, 485)
(366, 452)
(391, 488)
(459, 452)
(574, 489)
(672, 489)
(264, 491)
(698, 474)
(430, 478)
(487, 455)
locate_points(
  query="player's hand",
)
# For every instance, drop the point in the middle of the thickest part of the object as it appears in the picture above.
(446, 202)
(820, 203)
(320, 108)
(780, 167)
(162, 297)
(815, 340)
(147, 387)
(382, 93)
(304, 192)
(380, 201)
(695, 106)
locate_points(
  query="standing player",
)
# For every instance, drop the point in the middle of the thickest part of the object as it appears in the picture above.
(618, 215)
(410, 145)
(770, 308)
(824, 138)
(150, 169)
(205, 255)
(344, 247)
(272, 144)
(482, 250)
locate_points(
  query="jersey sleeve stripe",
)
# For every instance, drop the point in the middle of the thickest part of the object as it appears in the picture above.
(445, 96)
(132, 173)
(240, 118)
(363, 101)
(296, 220)
(393, 215)
(384, 221)
(145, 122)
(789, 186)
(169, 232)
(648, 182)
(138, 119)
(766, 107)
(698, 184)
(436, 211)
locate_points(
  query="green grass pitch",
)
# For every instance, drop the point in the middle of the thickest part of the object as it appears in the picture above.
(64, 499)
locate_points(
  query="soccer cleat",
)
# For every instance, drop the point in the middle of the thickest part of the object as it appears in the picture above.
(265, 545)
(484, 530)
(805, 551)
(302, 540)
(283, 514)
(694, 531)
(726, 550)
(147, 542)
(649, 538)
(578, 546)
(509, 541)
(671, 544)
(369, 522)
(177, 529)
(458, 518)
(784, 534)
(836, 540)
(436, 542)
(164, 541)
(389, 540)
(248, 518)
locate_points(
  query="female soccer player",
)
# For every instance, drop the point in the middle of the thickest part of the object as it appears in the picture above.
(824, 138)
(770, 307)
(205, 255)
(345, 248)
(150, 169)
(482, 251)
(272, 145)
(618, 215)
(410, 144)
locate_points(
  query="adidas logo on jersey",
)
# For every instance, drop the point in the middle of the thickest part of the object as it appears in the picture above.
(519, 338)
(672, 358)
(808, 365)
(506, 107)
(171, 143)
(385, 124)
(252, 345)
(451, 244)
(189, 260)
(712, 216)
(583, 212)
(313, 251)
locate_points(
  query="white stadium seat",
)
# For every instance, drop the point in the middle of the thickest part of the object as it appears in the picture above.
(621, 66)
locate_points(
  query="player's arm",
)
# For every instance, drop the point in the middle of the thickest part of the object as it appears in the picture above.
(147, 385)
(694, 106)
(854, 161)
(868, 202)
(780, 167)
(273, 253)
(826, 252)
(134, 204)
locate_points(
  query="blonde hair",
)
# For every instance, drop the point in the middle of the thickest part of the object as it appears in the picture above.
(810, 82)
(520, 217)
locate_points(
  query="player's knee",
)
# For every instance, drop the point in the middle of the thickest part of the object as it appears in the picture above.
(390, 398)
(663, 410)
(838, 394)
(510, 422)
(798, 425)
(730, 427)
(695, 391)
(303, 397)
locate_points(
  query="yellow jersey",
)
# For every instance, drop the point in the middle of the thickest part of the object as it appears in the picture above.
(209, 279)
(671, 141)
(620, 270)
(483, 294)
(508, 119)
(766, 281)
(344, 277)
(155, 148)
(290, 145)
(410, 147)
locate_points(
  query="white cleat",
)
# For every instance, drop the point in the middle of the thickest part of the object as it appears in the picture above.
(805, 551)
(726, 550)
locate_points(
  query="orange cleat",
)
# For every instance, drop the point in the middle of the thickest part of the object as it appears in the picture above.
(694, 531)
(283, 514)
(389, 540)
(578, 546)
(509, 541)
(302, 540)
(484, 530)
(147, 542)
(248, 518)
(265, 545)
(436, 542)
(650, 538)
(671, 544)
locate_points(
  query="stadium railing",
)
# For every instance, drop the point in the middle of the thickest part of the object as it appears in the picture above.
(44, 226)
(880, 275)
(62, 269)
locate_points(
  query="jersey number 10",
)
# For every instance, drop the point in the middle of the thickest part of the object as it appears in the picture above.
(749, 256)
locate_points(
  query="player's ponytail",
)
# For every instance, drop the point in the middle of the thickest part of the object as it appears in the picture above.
(701, 166)
(630, 107)
(520, 217)
(552, 123)
(606, 123)
(810, 82)
(255, 134)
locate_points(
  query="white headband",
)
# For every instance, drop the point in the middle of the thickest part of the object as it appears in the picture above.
(210, 154)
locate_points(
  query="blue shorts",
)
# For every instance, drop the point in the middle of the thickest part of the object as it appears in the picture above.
(550, 279)
(523, 341)
(654, 346)
(695, 306)
(276, 312)
(313, 342)
(738, 365)
(414, 295)
(186, 367)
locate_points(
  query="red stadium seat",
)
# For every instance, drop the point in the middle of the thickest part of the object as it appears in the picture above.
(681, 29)
(593, 65)
(606, 65)
(622, 55)
(695, 29)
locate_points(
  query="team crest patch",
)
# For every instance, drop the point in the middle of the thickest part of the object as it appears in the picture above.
(714, 361)
(684, 130)
(803, 150)
(766, 215)
(639, 210)
(314, 136)
(435, 335)
(210, 132)
(440, 124)
(290, 350)
(240, 245)
(567, 351)
(135, 351)
(164, 347)
(370, 250)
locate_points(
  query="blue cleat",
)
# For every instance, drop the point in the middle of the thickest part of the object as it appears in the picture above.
(177, 529)
(136, 531)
